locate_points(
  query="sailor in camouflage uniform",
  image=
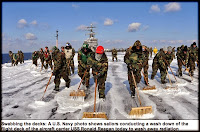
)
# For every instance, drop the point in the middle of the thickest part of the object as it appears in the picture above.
(21, 57)
(159, 62)
(193, 56)
(114, 54)
(134, 60)
(83, 67)
(35, 57)
(47, 58)
(182, 59)
(145, 62)
(69, 55)
(11, 57)
(98, 61)
(60, 69)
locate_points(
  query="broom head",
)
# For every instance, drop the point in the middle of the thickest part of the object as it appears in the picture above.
(77, 93)
(139, 111)
(149, 87)
(171, 87)
(94, 115)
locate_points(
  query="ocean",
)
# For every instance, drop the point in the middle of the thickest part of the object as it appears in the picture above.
(6, 57)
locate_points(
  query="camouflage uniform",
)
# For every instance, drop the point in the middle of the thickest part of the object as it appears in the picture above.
(21, 57)
(193, 56)
(11, 57)
(99, 68)
(151, 50)
(35, 57)
(159, 62)
(60, 69)
(182, 59)
(15, 58)
(134, 60)
(82, 64)
(41, 55)
(145, 63)
(69, 55)
(114, 54)
(47, 59)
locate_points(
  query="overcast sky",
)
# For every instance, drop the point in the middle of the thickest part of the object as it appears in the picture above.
(28, 26)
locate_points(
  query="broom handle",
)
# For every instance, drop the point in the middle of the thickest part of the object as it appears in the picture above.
(170, 68)
(81, 80)
(95, 94)
(136, 88)
(145, 78)
(169, 78)
(47, 84)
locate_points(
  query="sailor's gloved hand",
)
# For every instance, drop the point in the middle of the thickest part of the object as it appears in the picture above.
(130, 66)
(87, 67)
(97, 76)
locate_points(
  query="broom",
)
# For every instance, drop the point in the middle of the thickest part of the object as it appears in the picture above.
(95, 115)
(148, 87)
(139, 111)
(75, 94)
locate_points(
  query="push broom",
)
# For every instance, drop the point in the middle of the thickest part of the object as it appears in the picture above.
(78, 94)
(139, 111)
(95, 115)
(148, 87)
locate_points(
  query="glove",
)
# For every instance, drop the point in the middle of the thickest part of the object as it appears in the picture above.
(139, 65)
(130, 66)
(87, 67)
(97, 76)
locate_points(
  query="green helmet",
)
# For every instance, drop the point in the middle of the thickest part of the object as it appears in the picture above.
(85, 45)
(137, 43)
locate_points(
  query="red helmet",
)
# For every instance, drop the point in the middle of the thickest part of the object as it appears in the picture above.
(100, 50)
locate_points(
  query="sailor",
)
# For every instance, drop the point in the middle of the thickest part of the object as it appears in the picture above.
(98, 61)
(83, 67)
(47, 58)
(114, 54)
(35, 57)
(134, 60)
(160, 63)
(182, 59)
(60, 69)
(69, 55)
(193, 56)
(11, 57)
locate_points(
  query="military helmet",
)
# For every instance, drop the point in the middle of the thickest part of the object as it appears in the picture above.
(54, 48)
(137, 43)
(85, 45)
(194, 43)
(169, 49)
(185, 48)
(165, 48)
(182, 46)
